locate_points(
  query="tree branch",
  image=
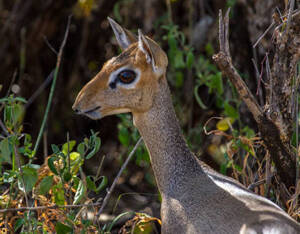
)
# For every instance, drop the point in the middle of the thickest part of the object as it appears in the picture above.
(224, 61)
(275, 129)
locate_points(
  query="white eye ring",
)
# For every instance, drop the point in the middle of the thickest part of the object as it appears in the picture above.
(113, 80)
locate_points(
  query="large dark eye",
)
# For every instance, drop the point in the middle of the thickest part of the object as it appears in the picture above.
(126, 76)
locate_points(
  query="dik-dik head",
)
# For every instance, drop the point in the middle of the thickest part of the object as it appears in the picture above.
(126, 83)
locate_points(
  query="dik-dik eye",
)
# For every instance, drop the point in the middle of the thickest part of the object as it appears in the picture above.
(126, 76)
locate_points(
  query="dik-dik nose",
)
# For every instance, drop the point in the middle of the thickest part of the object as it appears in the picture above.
(76, 108)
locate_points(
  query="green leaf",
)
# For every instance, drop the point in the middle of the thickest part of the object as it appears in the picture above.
(198, 99)
(19, 223)
(46, 185)
(223, 124)
(178, 62)
(90, 183)
(179, 79)
(172, 42)
(67, 176)
(124, 136)
(74, 156)
(230, 111)
(190, 59)
(248, 132)
(5, 152)
(102, 184)
(96, 147)
(217, 83)
(209, 49)
(8, 177)
(30, 177)
(27, 139)
(3, 100)
(117, 218)
(18, 113)
(238, 168)
(71, 146)
(59, 195)
(86, 141)
(223, 168)
(116, 11)
(230, 3)
(8, 114)
(54, 148)
(81, 149)
(34, 166)
(20, 99)
(76, 162)
(51, 165)
(80, 192)
(61, 228)
(76, 182)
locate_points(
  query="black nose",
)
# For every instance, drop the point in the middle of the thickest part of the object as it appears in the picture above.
(76, 109)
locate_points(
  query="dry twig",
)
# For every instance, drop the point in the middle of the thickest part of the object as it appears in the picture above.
(49, 207)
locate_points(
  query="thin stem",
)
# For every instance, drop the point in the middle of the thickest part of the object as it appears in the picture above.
(297, 133)
(292, 4)
(262, 36)
(116, 179)
(169, 8)
(17, 158)
(59, 56)
(49, 45)
(39, 90)
(9, 88)
(48, 207)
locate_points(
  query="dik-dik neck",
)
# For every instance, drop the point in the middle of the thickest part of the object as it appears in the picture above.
(171, 159)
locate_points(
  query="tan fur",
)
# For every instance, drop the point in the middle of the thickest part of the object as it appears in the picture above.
(195, 199)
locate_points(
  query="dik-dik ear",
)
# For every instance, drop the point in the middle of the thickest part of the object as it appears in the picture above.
(147, 47)
(124, 37)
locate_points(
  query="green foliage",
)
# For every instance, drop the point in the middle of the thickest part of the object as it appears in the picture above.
(91, 183)
(27, 178)
(51, 181)
(127, 135)
(45, 185)
(208, 76)
(179, 53)
(118, 5)
(61, 228)
(80, 192)
(110, 226)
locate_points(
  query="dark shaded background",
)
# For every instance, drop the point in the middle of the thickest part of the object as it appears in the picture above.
(26, 26)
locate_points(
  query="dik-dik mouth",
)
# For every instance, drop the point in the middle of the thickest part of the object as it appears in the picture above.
(93, 113)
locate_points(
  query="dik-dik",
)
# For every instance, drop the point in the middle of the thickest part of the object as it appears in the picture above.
(195, 199)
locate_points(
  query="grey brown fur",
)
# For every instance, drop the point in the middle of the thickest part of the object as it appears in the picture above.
(191, 201)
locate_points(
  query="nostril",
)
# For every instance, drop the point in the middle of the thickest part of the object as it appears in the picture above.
(76, 109)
